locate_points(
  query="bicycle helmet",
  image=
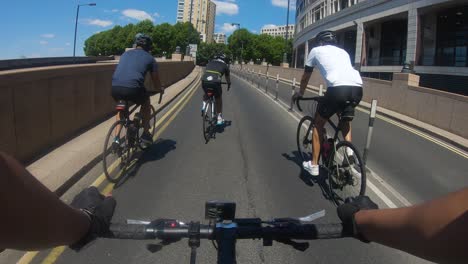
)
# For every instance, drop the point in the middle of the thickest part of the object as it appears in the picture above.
(326, 37)
(221, 56)
(144, 41)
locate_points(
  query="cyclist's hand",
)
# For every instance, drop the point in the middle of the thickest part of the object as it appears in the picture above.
(296, 96)
(99, 210)
(347, 211)
(229, 86)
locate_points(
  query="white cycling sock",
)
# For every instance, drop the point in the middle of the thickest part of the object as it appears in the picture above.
(203, 105)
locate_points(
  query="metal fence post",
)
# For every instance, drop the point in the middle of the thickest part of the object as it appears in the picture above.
(369, 132)
(266, 83)
(293, 90)
(321, 90)
(258, 79)
(277, 86)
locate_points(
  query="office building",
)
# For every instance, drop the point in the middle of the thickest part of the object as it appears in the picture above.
(278, 31)
(203, 16)
(220, 38)
(382, 35)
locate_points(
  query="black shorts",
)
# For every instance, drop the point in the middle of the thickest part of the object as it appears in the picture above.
(340, 100)
(135, 95)
(215, 87)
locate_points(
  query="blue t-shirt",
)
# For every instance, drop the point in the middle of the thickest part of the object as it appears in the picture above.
(132, 69)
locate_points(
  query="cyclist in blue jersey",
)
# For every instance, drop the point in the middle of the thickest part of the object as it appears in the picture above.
(129, 78)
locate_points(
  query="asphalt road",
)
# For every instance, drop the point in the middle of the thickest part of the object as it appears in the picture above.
(251, 162)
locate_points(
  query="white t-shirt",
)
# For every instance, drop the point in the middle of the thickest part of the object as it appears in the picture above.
(334, 65)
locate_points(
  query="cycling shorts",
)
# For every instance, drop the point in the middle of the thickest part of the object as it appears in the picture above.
(135, 95)
(340, 100)
(214, 87)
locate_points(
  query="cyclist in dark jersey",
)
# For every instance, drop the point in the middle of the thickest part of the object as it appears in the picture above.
(129, 78)
(211, 80)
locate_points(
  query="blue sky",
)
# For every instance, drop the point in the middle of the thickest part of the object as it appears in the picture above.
(45, 28)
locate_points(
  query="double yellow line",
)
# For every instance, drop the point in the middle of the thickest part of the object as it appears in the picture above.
(56, 252)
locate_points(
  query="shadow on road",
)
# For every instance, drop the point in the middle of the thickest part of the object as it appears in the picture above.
(308, 179)
(155, 152)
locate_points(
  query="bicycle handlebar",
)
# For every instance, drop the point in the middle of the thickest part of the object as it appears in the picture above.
(244, 229)
(305, 99)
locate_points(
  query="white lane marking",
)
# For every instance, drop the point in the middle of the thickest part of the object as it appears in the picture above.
(389, 188)
(380, 194)
(374, 188)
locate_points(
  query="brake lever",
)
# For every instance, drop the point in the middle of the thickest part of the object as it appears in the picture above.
(300, 220)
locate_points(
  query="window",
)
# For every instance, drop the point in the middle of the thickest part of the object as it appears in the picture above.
(451, 36)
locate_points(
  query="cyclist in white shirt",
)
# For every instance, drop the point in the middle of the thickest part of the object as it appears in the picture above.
(343, 94)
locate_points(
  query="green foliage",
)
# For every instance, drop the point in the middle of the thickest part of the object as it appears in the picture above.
(259, 47)
(206, 52)
(166, 38)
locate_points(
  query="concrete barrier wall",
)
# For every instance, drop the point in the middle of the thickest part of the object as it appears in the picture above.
(42, 107)
(403, 95)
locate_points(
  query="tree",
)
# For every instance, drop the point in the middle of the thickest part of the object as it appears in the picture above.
(184, 34)
(165, 38)
(206, 52)
(241, 38)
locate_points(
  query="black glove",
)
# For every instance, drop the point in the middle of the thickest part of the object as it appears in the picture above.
(296, 96)
(347, 211)
(99, 210)
(229, 86)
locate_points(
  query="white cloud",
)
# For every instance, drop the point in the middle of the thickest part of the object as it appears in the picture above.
(114, 10)
(156, 14)
(268, 26)
(43, 42)
(98, 22)
(228, 28)
(228, 8)
(67, 44)
(254, 31)
(137, 14)
(48, 35)
(283, 3)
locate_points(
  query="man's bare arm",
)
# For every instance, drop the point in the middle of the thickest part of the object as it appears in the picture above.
(156, 80)
(304, 81)
(436, 230)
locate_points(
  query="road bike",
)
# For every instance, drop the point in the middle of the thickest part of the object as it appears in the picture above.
(209, 115)
(123, 140)
(224, 230)
(339, 158)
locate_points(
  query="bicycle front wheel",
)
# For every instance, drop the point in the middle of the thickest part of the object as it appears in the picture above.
(208, 121)
(346, 172)
(304, 138)
(117, 152)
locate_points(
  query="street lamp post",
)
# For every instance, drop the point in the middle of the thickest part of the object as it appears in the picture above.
(242, 42)
(187, 50)
(285, 55)
(76, 23)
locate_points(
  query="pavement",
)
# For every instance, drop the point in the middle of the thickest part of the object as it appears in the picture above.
(63, 166)
(252, 161)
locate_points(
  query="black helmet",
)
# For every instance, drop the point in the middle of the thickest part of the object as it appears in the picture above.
(326, 37)
(144, 41)
(220, 56)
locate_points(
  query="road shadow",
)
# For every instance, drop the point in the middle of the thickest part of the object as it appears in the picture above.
(321, 180)
(156, 151)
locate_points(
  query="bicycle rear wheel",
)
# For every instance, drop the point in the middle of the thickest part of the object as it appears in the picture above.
(304, 138)
(346, 172)
(208, 121)
(117, 152)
